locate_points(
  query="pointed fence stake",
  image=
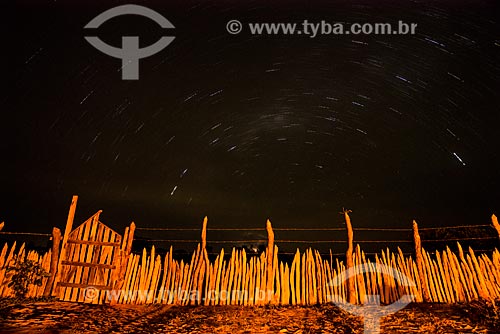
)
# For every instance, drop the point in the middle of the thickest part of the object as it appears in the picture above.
(269, 253)
(54, 260)
(67, 230)
(351, 289)
(420, 267)
(494, 220)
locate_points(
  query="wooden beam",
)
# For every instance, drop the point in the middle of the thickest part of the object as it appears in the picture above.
(54, 260)
(130, 239)
(90, 242)
(83, 285)
(87, 264)
(204, 233)
(67, 230)
(270, 257)
(349, 261)
(420, 267)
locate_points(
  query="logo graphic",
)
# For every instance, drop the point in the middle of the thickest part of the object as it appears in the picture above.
(130, 53)
(371, 310)
(234, 27)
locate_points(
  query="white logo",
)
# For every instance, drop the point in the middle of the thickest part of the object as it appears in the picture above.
(130, 53)
(371, 311)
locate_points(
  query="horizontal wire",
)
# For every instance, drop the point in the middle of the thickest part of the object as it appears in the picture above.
(199, 241)
(199, 229)
(277, 241)
(455, 239)
(340, 241)
(167, 240)
(380, 241)
(275, 229)
(310, 229)
(286, 229)
(307, 228)
(451, 227)
(309, 241)
(326, 255)
(165, 229)
(381, 229)
(27, 233)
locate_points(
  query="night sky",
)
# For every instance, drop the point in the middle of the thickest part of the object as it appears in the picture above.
(243, 128)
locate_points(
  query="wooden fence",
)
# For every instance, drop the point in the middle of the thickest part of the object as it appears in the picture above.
(241, 279)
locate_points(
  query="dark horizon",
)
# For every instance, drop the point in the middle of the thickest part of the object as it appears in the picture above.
(243, 128)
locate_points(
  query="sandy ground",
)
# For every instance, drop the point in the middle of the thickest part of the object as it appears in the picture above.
(60, 317)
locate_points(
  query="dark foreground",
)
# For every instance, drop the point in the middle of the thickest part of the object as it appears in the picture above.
(59, 317)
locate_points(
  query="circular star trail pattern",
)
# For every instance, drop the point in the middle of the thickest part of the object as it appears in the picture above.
(242, 128)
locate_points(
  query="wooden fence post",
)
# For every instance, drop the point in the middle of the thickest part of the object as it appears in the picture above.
(200, 265)
(67, 230)
(206, 263)
(130, 239)
(420, 267)
(54, 260)
(351, 290)
(204, 233)
(122, 258)
(494, 220)
(270, 256)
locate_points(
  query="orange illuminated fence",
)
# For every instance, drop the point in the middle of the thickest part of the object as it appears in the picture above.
(106, 271)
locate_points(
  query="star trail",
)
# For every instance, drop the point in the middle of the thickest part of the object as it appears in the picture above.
(243, 128)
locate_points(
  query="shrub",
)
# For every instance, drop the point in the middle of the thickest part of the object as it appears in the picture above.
(25, 273)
